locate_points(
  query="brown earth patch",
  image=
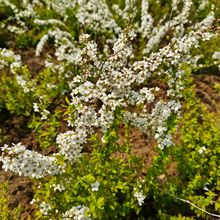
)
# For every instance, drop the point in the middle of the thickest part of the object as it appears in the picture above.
(207, 88)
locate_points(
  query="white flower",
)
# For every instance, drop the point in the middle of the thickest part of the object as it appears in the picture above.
(58, 187)
(23, 83)
(36, 108)
(76, 213)
(138, 194)
(202, 150)
(45, 208)
(216, 55)
(32, 201)
(206, 187)
(44, 114)
(70, 144)
(95, 186)
(103, 140)
(28, 163)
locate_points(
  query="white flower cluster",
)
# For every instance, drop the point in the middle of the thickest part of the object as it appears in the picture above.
(45, 208)
(140, 197)
(206, 22)
(65, 47)
(176, 24)
(95, 186)
(116, 87)
(108, 80)
(76, 213)
(128, 12)
(41, 44)
(70, 144)
(53, 22)
(202, 150)
(96, 15)
(58, 187)
(216, 55)
(146, 19)
(25, 11)
(9, 59)
(216, 58)
(138, 192)
(36, 107)
(28, 163)
(203, 4)
(161, 29)
(60, 6)
(44, 113)
(23, 83)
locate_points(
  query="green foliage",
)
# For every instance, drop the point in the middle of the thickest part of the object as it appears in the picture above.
(115, 168)
(198, 152)
(13, 97)
(196, 165)
(108, 164)
(47, 130)
(24, 41)
(6, 213)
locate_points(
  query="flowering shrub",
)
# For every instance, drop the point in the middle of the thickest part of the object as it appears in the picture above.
(117, 68)
(194, 157)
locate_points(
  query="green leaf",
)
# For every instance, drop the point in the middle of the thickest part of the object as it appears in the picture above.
(100, 203)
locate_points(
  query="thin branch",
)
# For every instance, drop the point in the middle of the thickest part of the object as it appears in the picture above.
(187, 201)
(171, 13)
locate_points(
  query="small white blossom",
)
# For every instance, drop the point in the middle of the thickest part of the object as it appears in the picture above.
(58, 187)
(32, 201)
(202, 150)
(23, 83)
(76, 213)
(45, 208)
(44, 114)
(216, 55)
(206, 187)
(36, 108)
(95, 186)
(138, 194)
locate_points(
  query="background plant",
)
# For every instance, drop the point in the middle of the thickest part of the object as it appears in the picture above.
(109, 68)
